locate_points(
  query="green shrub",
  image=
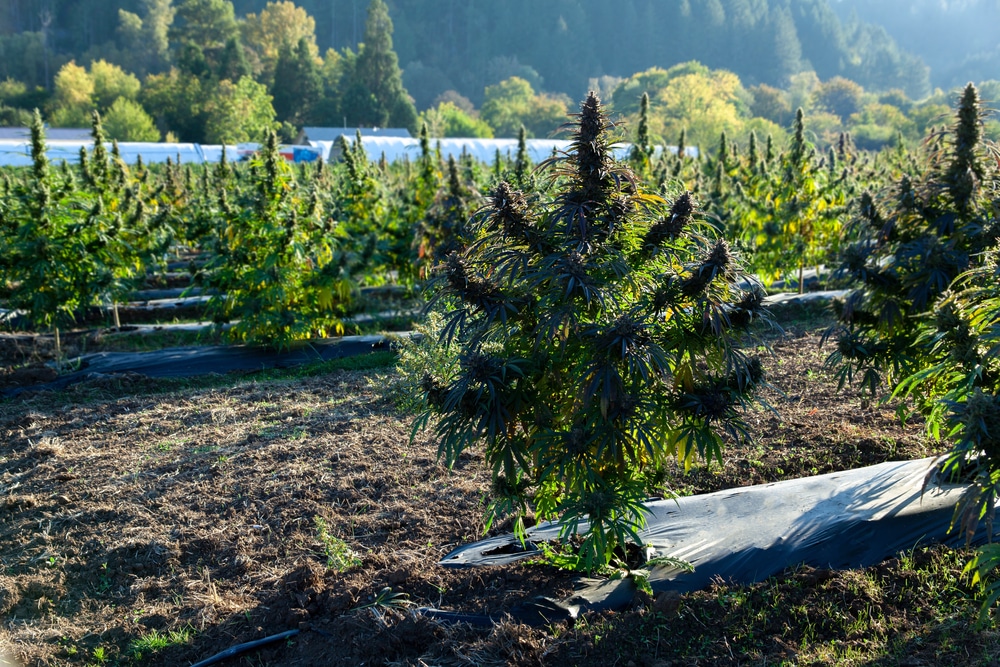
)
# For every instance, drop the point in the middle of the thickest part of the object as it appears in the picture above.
(598, 332)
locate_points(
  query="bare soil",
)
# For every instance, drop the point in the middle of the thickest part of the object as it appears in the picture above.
(128, 512)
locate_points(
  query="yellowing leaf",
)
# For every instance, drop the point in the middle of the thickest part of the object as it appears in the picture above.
(325, 298)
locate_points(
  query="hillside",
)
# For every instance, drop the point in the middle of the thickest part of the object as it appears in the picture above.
(956, 38)
(558, 45)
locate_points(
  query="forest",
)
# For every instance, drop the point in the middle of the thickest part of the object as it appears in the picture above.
(955, 39)
(466, 46)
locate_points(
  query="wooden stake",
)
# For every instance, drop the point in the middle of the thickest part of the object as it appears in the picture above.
(58, 350)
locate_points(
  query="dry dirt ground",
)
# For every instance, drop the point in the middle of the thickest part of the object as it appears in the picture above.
(140, 525)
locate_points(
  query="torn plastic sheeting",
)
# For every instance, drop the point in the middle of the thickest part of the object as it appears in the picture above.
(202, 360)
(848, 519)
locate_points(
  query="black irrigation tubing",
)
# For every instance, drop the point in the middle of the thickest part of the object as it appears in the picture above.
(234, 651)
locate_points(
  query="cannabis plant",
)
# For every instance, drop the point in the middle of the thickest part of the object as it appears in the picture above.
(598, 330)
(790, 216)
(914, 240)
(443, 229)
(928, 315)
(274, 270)
(48, 246)
(125, 239)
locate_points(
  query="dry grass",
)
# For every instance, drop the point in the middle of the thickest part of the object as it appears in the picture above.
(130, 513)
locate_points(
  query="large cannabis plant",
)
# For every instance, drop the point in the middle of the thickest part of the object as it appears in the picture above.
(928, 315)
(598, 331)
(914, 240)
(50, 246)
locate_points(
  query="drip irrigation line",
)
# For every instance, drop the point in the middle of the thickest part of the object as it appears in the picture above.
(243, 648)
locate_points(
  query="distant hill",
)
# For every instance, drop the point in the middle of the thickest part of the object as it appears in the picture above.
(959, 39)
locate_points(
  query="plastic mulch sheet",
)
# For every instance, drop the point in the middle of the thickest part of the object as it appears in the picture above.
(839, 520)
(202, 360)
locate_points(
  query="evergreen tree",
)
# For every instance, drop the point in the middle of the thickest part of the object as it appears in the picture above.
(233, 63)
(200, 34)
(376, 96)
(298, 87)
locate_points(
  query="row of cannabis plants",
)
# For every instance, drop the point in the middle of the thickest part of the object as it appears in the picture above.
(281, 248)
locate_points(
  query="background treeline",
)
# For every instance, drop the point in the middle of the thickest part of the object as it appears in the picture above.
(466, 46)
(201, 71)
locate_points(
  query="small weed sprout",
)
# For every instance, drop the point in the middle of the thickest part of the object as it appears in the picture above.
(151, 643)
(339, 556)
(388, 599)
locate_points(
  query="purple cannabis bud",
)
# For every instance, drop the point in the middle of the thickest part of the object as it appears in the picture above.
(670, 227)
(510, 209)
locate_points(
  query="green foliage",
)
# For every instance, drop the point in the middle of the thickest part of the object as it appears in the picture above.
(239, 112)
(983, 571)
(153, 642)
(913, 241)
(73, 97)
(206, 24)
(840, 96)
(373, 92)
(380, 239)
(54, 253)
(112, 83)
(597, 327)
(177, 101)
(128, 121)
(145, 38)
(642, 147)
(298, 86)
(444, 228)
(513, 103)
(422, 356)
(339, 555)
(279, 26)
(786, 210)
(275, 269)
(448, 120)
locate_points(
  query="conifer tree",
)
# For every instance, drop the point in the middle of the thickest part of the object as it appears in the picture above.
(298, 86)
(375, 96)
(233, 63)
